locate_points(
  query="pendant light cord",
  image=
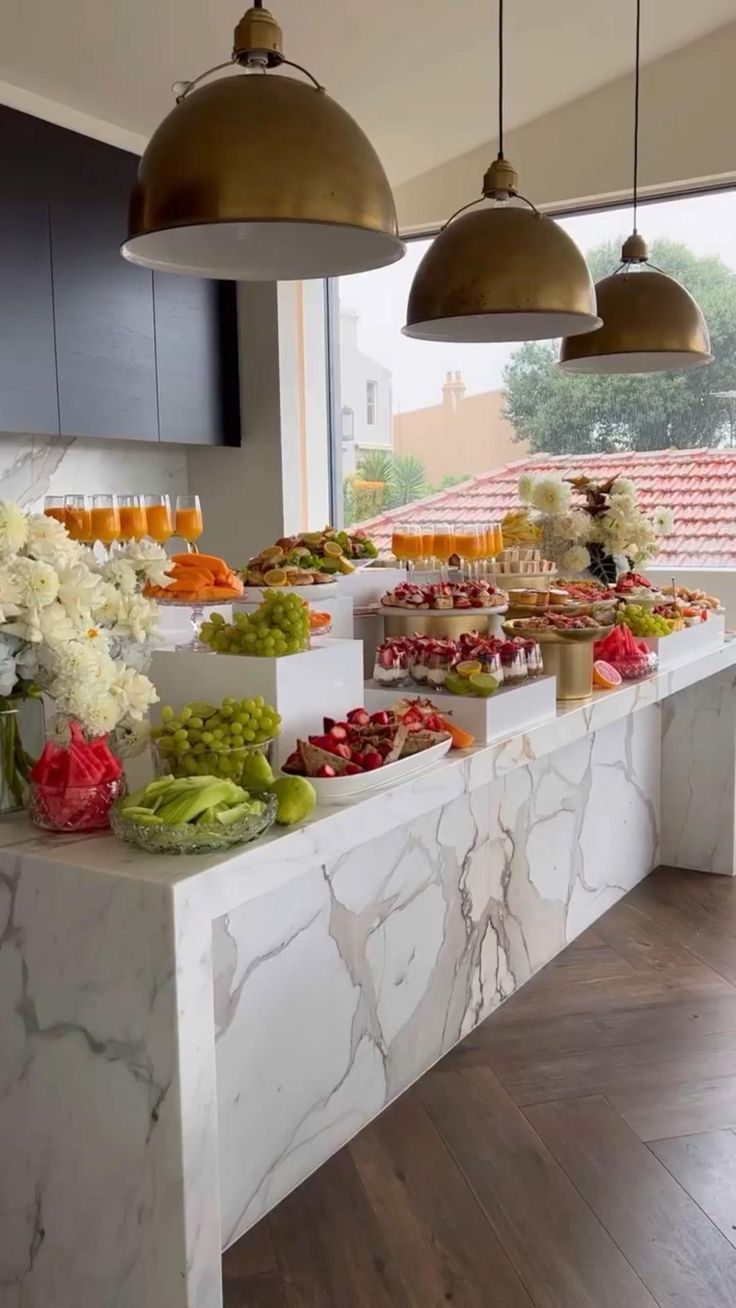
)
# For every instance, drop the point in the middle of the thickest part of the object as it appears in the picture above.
(637, 68)
(500, 79)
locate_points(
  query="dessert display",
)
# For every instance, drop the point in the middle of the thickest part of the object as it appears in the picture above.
(365, 742)
(522, 561)
(412, 711)
(197, 579)
(698, 600)
(630, 658)
(585, 590)
(556, 623)
(73, 786)
(312, 558)
(280, 625)
(228, 741)
(431, 658)
(473, 664)
(445, 595)
(189, 815)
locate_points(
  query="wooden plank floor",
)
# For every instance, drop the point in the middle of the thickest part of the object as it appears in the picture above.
(578, 1150)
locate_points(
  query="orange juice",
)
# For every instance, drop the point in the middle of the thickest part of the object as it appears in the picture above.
(133, 523)
(444, 542)
(428, 543)
(497, 538)
(158, 522)
(398, 544)
(78, 523)
(189, 524)
(465, 544)
(413, 545)
(58, 513)
(104, 524)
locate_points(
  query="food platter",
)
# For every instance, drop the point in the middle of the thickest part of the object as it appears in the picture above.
(341, 790)
(557, 637)
(321, 590)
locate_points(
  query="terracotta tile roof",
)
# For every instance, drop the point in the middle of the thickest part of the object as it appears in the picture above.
(699, 485)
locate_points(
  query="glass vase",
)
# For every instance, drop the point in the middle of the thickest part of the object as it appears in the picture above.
(21, 741)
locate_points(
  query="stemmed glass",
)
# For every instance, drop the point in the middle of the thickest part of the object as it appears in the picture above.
(53, 507)
(159, 524)
(444, 545)
(105, 520)
(189, 520)
(78, 518)
(133, 524)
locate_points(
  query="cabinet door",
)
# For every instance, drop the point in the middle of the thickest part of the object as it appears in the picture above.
(196, 359)
(28, 399)
(103, 305)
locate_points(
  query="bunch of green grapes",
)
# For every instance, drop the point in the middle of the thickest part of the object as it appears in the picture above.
(201, 739)
(641, 621)
(280, 625)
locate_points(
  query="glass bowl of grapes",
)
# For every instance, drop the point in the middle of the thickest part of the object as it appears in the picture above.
(219, 741)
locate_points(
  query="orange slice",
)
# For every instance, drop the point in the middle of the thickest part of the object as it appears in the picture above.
(460, 739)
(605, 676)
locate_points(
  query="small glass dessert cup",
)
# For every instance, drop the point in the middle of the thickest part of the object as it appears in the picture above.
(391, 666)
(513, 660)
(75, 808)
(534, 663)
(437, 659)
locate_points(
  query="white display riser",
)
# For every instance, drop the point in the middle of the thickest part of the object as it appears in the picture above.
(325, 680)
(689, 643)
(367, 585)
(512, 708)
(340, 608)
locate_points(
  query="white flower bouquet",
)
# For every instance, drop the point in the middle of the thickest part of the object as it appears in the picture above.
(594, 526)
(74, 629)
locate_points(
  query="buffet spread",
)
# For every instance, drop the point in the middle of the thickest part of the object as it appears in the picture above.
(251, 730)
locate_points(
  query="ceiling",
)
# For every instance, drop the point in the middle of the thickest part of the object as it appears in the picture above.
(419, 75)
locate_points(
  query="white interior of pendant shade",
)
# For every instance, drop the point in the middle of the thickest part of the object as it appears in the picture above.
(640, 361)
(264, 251)
(486, 327)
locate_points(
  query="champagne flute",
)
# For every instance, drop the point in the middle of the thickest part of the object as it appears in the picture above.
(78, 518)
(133, 525)
(159, 524)
(105, 520)
(189, 520)
(53, 507)
(466, 544)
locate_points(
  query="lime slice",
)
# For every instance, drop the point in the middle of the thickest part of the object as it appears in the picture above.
(467, 668)
(483, 683)
(457, 685)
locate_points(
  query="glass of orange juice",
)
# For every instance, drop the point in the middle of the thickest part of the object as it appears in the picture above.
(78, 518)
(104, 519)
(133, 525)
(54, 507)
(189, 520)
(159, 522)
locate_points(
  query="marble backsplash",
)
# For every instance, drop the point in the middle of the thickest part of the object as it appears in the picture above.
(34, 466)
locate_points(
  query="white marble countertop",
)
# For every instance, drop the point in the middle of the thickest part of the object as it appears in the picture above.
(222, 881)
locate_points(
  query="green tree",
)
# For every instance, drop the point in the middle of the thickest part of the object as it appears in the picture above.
(407, 480)
(451, 479)
(561, 413)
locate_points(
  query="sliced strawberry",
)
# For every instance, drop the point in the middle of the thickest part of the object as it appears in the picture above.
(359, 717)
(294, 763)
(381, 719)
(326, 771)
(339, 731)
(352, 769)
(371, 760)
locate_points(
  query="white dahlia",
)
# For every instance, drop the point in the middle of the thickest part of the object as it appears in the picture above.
(526, 487)
(663, 520)
(576, 559)
(13, 527)
(551, 495)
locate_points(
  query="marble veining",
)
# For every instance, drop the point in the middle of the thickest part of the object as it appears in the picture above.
(34, 466)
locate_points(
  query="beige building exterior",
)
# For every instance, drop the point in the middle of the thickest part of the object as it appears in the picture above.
(462, 436)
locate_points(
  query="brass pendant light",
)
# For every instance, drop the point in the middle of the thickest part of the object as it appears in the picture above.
(260, 177)
(650, 322)
(501, 273)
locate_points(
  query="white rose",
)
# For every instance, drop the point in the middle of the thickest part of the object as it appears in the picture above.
(576, 559)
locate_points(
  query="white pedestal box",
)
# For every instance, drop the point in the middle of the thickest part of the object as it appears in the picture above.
(326, 680)
(689, 643)
(340, 607)
(367, 585)
(512, 709)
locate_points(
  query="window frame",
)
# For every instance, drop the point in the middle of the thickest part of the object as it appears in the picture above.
(371, 402)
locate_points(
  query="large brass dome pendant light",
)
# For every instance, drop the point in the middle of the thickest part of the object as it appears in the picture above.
(650, 322)
(260, 177)
(501, 273)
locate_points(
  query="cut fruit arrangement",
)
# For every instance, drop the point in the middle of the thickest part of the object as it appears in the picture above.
(366, 741)
(203, 738)
(199, 578)
(311, 559)
(632, 586)
(188, 815)
(280, 625)
(445, 595)
(620, 652)
(73, 786)
(644, 622)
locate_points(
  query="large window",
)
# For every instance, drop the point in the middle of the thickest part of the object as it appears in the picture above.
(440, 415)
